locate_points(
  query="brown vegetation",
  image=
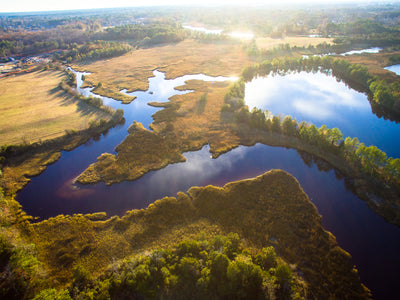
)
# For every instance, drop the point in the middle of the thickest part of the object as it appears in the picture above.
(132, 70)
(137, 155)
(176, 129)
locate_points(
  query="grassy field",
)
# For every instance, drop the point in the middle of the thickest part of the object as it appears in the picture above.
(34, 108)
(132, 70)
(269, 43)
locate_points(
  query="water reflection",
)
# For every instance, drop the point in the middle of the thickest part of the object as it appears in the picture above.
(198, 168)
(394, 69)
(320, 99)
(369, 50)
(234, 34)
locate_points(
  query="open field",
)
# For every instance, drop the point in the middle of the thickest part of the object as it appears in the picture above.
(269, 43)
(132, 70)
(34, 108)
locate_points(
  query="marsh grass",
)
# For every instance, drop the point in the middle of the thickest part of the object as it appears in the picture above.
(270, 210)
(132, 70)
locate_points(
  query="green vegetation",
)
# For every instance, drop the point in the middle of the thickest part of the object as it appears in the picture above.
(364, 32)
(260, 237)
(220, 268)
(93, 50)
(148, 35)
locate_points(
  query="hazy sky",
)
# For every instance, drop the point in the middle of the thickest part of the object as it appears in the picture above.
(45, 5)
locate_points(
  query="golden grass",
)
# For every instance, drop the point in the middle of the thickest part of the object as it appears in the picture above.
(34, 108)
(268, 210)
(140, 152)
(132, 70)
(178, 128)
(299, 41)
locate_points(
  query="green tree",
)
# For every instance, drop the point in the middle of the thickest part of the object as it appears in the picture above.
(245, 279)
(392, 169)
(267, 258)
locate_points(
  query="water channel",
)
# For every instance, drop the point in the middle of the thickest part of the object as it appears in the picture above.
(373, 243)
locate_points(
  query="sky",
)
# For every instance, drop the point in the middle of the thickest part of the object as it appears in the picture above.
(47, 5)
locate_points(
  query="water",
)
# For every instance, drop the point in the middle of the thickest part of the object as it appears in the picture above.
(234, 34)
(320, 99)
(373, 243)
(369, 50)
(203, 29)
(394, 69)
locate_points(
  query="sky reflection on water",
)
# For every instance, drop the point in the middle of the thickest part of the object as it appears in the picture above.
(320, 99)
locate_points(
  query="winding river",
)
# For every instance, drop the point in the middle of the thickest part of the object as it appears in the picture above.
(373, 243)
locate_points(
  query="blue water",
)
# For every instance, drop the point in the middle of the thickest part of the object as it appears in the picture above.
(320, 99)
(394, 69)
(373, 243)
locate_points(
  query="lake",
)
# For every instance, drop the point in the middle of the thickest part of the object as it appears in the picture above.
(373, 243)
(394, 69)
(320, 99)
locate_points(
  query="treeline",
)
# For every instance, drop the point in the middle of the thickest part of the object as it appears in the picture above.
(103, 43)
(30, 43)
(93, 50)
(149, 34)
(220, 268)
(370, 160)
(364, 32)
(287, 50)
(355, 75)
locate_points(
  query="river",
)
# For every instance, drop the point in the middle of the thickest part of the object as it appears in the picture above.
(373, 243)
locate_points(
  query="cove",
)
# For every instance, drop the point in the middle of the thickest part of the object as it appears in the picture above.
(394, 69)
(373, 243)
(320, 99)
